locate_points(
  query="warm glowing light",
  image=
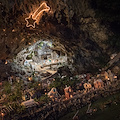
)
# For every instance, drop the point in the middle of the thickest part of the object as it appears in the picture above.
(71, 96)
(37, 15)
(2, 114)
(115, 77)
(38, 84)
(4, 30)
(34, 41)
(55, 98)
(30, 78)
(13, 30)
(106, 77)
(50, 96)
(69, 90)
(6, 62)
(22, 39)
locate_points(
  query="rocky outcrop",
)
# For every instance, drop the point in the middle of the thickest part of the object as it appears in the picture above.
(72, 23)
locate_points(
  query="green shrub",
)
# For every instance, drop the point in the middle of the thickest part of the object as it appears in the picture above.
(7, 88)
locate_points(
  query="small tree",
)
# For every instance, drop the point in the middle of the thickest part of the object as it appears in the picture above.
(7, 88)
(44, 98)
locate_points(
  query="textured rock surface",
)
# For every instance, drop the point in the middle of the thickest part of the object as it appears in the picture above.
(72, 23)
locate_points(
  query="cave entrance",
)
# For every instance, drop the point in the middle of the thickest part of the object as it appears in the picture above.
(40, 58)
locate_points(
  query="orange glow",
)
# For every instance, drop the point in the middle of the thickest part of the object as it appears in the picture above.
(2, 114)
(115, 77)
(50, 96)
(22, 39)
(4, 30)
(106, 77)
(30, 78)
(37, 15)
(34, 41)
(71, 96)
(6, 62)
(13, 30)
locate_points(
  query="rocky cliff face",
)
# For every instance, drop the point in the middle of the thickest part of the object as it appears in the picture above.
(72, 23)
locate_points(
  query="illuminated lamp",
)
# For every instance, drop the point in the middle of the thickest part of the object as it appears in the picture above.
(2, 114)
(13, 30)
(115, 77)
(50, 96)
(71, 96)
(30, 78)
(6, 62)
(69, 90)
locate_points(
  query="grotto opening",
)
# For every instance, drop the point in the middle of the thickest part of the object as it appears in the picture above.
(40, 58)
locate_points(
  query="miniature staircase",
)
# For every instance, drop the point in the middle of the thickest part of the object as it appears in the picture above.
(6, 110)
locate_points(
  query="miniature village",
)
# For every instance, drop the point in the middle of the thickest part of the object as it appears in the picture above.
(38, 83)
(59, 60)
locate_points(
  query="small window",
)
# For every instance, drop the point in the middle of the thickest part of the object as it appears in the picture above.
(45, 58)
(53, 90)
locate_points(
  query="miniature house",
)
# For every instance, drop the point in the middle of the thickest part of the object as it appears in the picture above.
(87, 86)
(98, 84)
(68, 92)
(53, 93)
(105, 75)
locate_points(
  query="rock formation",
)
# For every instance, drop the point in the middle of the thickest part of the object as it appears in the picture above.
(69, 23)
